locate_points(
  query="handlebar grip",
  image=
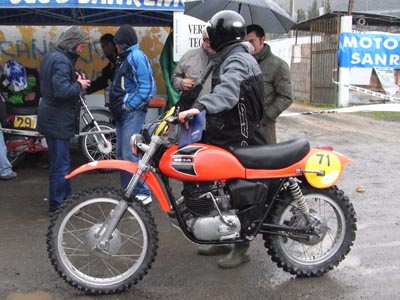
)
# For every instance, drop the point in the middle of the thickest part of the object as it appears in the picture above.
(189, 117)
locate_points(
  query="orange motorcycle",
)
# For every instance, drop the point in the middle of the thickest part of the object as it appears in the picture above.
(102, 240)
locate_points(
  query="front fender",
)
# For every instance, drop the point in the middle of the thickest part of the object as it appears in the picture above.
(150, 178)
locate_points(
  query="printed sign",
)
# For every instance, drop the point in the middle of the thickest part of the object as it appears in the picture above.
(369, 50)
(187, 34)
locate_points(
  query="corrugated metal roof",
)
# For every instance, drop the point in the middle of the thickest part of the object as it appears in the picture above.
(370, 19)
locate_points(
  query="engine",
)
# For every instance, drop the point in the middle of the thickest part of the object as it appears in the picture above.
(208, 211)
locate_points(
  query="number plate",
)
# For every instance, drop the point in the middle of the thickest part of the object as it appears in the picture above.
(326, 162)
(25, 122)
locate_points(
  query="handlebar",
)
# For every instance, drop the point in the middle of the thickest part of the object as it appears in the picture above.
(189, 117)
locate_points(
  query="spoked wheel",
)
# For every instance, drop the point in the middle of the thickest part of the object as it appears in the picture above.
(318, 250)
(93, 147)
(74, 233)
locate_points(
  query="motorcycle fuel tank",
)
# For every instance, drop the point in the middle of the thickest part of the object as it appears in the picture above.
(200, 162)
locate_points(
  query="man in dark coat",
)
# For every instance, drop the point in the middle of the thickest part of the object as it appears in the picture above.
(61, 86)
(276, 77)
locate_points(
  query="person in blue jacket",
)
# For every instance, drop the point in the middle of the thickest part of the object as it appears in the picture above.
(59, 108)
(133, 86)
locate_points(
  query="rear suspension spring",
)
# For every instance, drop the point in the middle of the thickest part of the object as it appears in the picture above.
(297, 195)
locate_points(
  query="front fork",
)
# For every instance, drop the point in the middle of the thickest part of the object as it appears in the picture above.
(111, 222)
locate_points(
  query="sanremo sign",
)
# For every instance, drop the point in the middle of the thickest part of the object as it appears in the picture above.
(360, 50)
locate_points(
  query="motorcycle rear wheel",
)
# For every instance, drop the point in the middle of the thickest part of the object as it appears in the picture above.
(72, 236)
(333, 214)
(91, 150)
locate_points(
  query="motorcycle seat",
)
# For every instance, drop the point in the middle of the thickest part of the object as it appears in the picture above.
(272, 157)
(23, 110)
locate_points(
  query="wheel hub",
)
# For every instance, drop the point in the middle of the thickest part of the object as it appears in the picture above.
(111, 247)
(106, 147)
(316, 232)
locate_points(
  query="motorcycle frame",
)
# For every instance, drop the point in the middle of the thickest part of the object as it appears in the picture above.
(160, 188)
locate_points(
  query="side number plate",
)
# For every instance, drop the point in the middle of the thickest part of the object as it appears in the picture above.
(25, 122)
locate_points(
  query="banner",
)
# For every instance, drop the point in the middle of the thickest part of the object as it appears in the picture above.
(187, 34)
(28, 44)
(361, 50)
(171, 5)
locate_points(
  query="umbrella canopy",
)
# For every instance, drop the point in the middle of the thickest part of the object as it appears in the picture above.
(265, 13)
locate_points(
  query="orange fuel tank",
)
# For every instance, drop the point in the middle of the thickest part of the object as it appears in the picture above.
(200, 162)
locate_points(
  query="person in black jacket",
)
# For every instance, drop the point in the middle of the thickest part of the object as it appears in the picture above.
(61, 86)
(234, 107)
(107, 73)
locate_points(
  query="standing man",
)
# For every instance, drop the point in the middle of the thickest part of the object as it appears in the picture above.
(107, 73)
(234, 107)
(192, 67)
(130, 93)
(61, 86)
(276, 76)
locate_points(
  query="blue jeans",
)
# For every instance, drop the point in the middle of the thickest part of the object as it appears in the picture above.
(5, 166)
(131, 122)
(60, 164)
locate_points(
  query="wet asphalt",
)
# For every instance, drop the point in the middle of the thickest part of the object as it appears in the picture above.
(370, 271)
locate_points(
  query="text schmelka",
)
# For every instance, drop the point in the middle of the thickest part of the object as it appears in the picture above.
(369, 50)
(143, 4)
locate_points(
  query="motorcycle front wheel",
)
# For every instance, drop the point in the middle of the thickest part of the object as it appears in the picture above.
(308, 255)
(92, 146)
(73, 234)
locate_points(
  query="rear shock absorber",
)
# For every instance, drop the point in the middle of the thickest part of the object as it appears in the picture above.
(297, 195)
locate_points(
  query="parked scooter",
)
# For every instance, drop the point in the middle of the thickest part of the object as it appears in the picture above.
(102, 240)
(96, 139)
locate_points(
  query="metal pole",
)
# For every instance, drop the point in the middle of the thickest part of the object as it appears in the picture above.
(344, 73)
(292, 8)
(292, 15)
(350, 7)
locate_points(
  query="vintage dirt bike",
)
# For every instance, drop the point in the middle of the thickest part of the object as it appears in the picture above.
(96, 139)
(102, 240)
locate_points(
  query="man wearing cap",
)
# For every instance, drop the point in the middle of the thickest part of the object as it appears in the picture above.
(133, 86)
(61, 86)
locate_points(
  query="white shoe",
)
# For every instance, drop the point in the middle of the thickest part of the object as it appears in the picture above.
(146, 199)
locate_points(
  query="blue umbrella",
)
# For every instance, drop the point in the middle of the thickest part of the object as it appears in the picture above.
(265, 13)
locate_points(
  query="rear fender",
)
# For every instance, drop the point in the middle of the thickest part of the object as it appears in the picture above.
(331, 163)
(150, 178)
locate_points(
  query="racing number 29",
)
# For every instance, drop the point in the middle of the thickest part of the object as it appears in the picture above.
(23, 122)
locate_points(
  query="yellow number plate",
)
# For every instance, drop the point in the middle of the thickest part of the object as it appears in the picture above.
(25, 122)
(326, 162)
